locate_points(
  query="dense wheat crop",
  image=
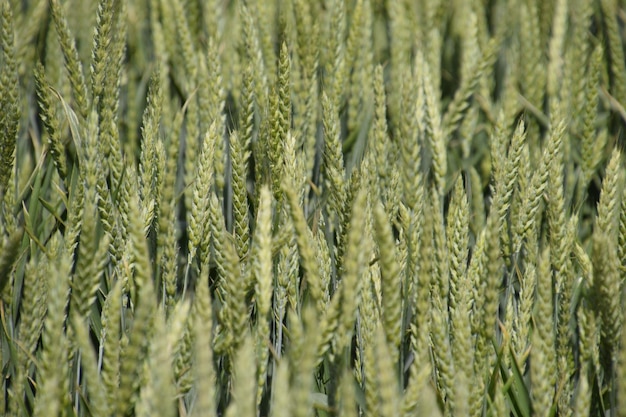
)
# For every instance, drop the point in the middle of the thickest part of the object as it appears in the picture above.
(312, 208)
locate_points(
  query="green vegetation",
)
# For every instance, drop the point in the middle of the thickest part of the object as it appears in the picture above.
(312, 208)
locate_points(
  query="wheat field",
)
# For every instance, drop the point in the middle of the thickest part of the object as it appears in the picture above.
(312, 208)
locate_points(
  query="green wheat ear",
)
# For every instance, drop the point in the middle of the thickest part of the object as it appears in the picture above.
(96, 389)
(202, 328)
(391, 282)
(158, 393)
(73, 64)
(202, 186)
(134, 354)
(242, 403)
(306, 247)
(110, 342)
(53, 375)
(239, 155)
(50, 121)
(615, 41)
(354, 265)
(8, 255)
(10, 101)
(261, 270)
